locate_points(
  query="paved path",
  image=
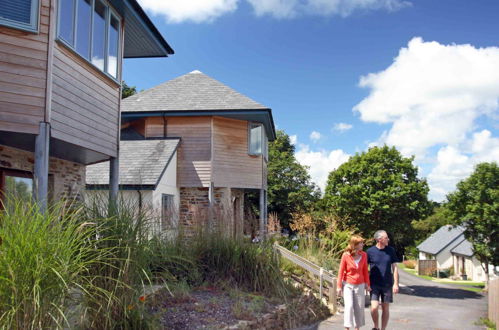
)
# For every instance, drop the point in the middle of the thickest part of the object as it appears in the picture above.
(423, 304)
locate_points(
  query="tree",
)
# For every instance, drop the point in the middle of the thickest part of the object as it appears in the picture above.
(127, 91)
(379, 189)
(475, 205)
(290, 188)
(439, 217)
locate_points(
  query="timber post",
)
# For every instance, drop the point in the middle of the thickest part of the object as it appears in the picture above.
(114, 180)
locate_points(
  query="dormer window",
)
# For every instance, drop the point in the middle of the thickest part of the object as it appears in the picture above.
(257, 140)
(20, 14)
(91, 28)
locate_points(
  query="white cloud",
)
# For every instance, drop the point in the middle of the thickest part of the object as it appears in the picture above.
(197, 11)
(293, 139)
(293, 8)
(315, 136)
(320, 162)
(454, 165)
(208, 10)
(432, 95)
(342, 127)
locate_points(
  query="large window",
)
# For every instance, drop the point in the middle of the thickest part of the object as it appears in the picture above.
(92, 29)
(20, 14)
(15, 186)
(257, 140)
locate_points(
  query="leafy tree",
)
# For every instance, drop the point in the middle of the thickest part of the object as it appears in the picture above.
(290, 188)
(440, 216)
(127, 91)
(475, 205)
(379, 189)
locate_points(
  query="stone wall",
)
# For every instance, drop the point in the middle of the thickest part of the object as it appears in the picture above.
(66, 179)
(195, 209)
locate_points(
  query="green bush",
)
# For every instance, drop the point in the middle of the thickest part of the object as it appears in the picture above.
(411, 264)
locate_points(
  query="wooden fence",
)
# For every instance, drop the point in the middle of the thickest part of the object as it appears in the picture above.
(494, 301)
(319, 272)
(427, 267)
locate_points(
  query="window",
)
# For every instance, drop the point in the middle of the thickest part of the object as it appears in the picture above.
(15, 185)
(92, 29)
(257, 140)
(167, 211)
(20, 14)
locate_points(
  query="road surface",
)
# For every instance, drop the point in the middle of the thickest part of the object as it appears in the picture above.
(424, 305)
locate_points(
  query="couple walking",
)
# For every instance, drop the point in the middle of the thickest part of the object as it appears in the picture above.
(381, 280)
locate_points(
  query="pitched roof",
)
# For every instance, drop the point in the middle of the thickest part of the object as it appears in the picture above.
(440, 239)
(464, 248)
(141, 163)
(194, 91)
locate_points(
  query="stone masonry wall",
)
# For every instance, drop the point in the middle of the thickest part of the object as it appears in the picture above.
(195, 209)
(66, 179)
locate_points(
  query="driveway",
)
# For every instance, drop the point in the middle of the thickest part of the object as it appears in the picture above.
(423, 304)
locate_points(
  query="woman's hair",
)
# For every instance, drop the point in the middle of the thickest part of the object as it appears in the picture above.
(354, 240)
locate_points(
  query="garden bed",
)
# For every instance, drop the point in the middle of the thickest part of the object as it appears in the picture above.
(210, 307)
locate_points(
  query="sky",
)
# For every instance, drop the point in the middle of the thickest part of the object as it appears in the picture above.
(344, 75)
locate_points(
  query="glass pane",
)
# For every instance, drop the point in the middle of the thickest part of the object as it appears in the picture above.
(99, 35)
(18, 10)
(256, 140)
(112, 62)
(66, 21)
(83, 28)
(18, 188)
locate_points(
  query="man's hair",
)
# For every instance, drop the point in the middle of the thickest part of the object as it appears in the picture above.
(378, 233)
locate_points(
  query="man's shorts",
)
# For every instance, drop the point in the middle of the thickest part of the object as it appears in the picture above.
(385, 295)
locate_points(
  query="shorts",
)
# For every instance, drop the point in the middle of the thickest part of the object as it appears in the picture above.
(383, 294)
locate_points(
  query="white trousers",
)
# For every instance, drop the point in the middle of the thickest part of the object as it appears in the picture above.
(354, 298)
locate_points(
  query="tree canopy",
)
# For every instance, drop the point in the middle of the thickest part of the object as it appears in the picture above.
(290, 188)
(475, 205)
(127, 91)
(379, 189)
(439, 217)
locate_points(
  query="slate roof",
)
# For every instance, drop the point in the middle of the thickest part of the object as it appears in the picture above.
(194, 91)
(141, 163)
(440, 239)
(464, 248)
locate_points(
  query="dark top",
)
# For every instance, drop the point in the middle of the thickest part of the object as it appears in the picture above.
(380, 265)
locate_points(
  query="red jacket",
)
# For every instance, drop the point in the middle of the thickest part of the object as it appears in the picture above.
(350, 272)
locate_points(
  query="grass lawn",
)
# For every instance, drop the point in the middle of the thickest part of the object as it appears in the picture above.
(465, 285)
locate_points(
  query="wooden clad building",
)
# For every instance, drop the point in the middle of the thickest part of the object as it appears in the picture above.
(222, 153)
(60, 91)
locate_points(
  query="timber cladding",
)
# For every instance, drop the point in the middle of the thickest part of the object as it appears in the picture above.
(194, 153)
(84, 104)
(23, 74)
(232, 166)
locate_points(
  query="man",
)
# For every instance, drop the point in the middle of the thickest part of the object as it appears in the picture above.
(384, 277)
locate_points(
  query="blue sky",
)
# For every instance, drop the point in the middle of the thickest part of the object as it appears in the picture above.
(343, 75)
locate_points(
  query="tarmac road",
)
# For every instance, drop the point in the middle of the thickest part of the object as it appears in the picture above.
(423, 304)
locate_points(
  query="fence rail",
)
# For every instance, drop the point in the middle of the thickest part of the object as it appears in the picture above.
(494, 301)
(315, 270)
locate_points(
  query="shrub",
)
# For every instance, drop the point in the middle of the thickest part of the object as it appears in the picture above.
(411, 264)
(42, 258)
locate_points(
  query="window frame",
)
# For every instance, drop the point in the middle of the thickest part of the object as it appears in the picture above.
(109, 13)
(33, 27)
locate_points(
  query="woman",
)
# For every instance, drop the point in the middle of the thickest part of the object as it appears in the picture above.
(353, 279)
